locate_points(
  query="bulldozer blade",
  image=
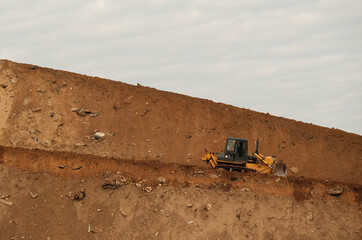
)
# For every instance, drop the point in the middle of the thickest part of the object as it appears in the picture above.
(280, 170)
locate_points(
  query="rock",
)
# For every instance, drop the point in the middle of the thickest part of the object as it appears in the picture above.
(214, 176)
(51, 114)
(111, 184)
(309, 216)
(294, 170)
(238, 215)
(161, 180)
(188, 136)
(148, 140)
(94, 114)
(37, 110)
(81, 112)
(3, 85)
(123, 213)
(61, 166)
(76, 167)
(99, 135)
(6, 202)
(207, 207)
(75, 101)
(41, 90)
(34, 195)
(189, 205)
(147, 189)
(277, 180)
(190, 222)
(79, 196)
(245, 189)
(25, 102)
(5, 196)
(335, 191)
(74, 110)
(144, 113)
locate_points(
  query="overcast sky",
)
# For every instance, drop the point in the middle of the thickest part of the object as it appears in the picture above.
(296, 59)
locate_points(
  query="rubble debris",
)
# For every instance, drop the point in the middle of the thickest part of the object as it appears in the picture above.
(294, 170)
(189, 205)
(3, 85)
(161, 180)
(75, 101)
(190, 222)
(6, 202)
(36, 110)
(335, 191)
(123, 213)
(5, 196)
(76, 167)
(79, 196)
(80, 112)
(188, 136)
(74, 109)
(148, 189)
(62, 166)
(144, 113)
(94, 114)
(26, 101)
(33, 195)
(51, 114)
(99, 135)
(207, 207)
(111, 184)
(238, 215)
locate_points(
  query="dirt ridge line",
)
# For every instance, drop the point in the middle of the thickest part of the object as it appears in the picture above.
(72, 165)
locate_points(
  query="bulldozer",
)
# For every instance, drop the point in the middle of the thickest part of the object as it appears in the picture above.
(235, 158)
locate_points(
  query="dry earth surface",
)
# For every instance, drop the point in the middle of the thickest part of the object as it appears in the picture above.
(53, 169)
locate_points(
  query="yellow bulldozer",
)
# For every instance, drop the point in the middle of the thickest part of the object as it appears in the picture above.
(235, 157)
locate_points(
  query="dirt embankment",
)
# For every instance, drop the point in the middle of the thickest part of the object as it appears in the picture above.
(142, 123)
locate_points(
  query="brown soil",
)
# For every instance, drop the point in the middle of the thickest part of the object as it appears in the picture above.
(47, 149)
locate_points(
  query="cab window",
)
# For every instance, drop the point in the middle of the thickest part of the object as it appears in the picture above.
(230, 146)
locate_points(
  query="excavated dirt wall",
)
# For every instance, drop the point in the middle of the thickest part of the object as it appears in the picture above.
(143, 123)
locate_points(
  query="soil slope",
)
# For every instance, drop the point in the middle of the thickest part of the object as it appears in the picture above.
(142, 123)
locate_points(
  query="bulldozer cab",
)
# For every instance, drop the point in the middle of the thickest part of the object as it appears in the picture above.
(236, 150)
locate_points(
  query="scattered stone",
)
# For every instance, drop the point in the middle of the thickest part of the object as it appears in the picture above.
(5, 196)
(76, 167)
(80, 112)
(144, 113)
(139, 185)
(189, 205)
(207, 207)
(61, 166)
(51, 114)
(99, 135)
(188, 136)
(87, 111)
(294, 170)
(80, 144)
(37, 110)
(94, 114)
(148, 140)
(123, 213)
(74, 109)
(111, 184)
(25, 102)
(190, 222)
(245, 189)
(99, 210)
(79, 196)
(3, 85)
(41, 90)
(6, 202)
(34, 195)
(309, 216)
(238, 215)
(148, 189)
(75, 101)
(161, 180)
(335, 191)
(277, 180)
(214, 176)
